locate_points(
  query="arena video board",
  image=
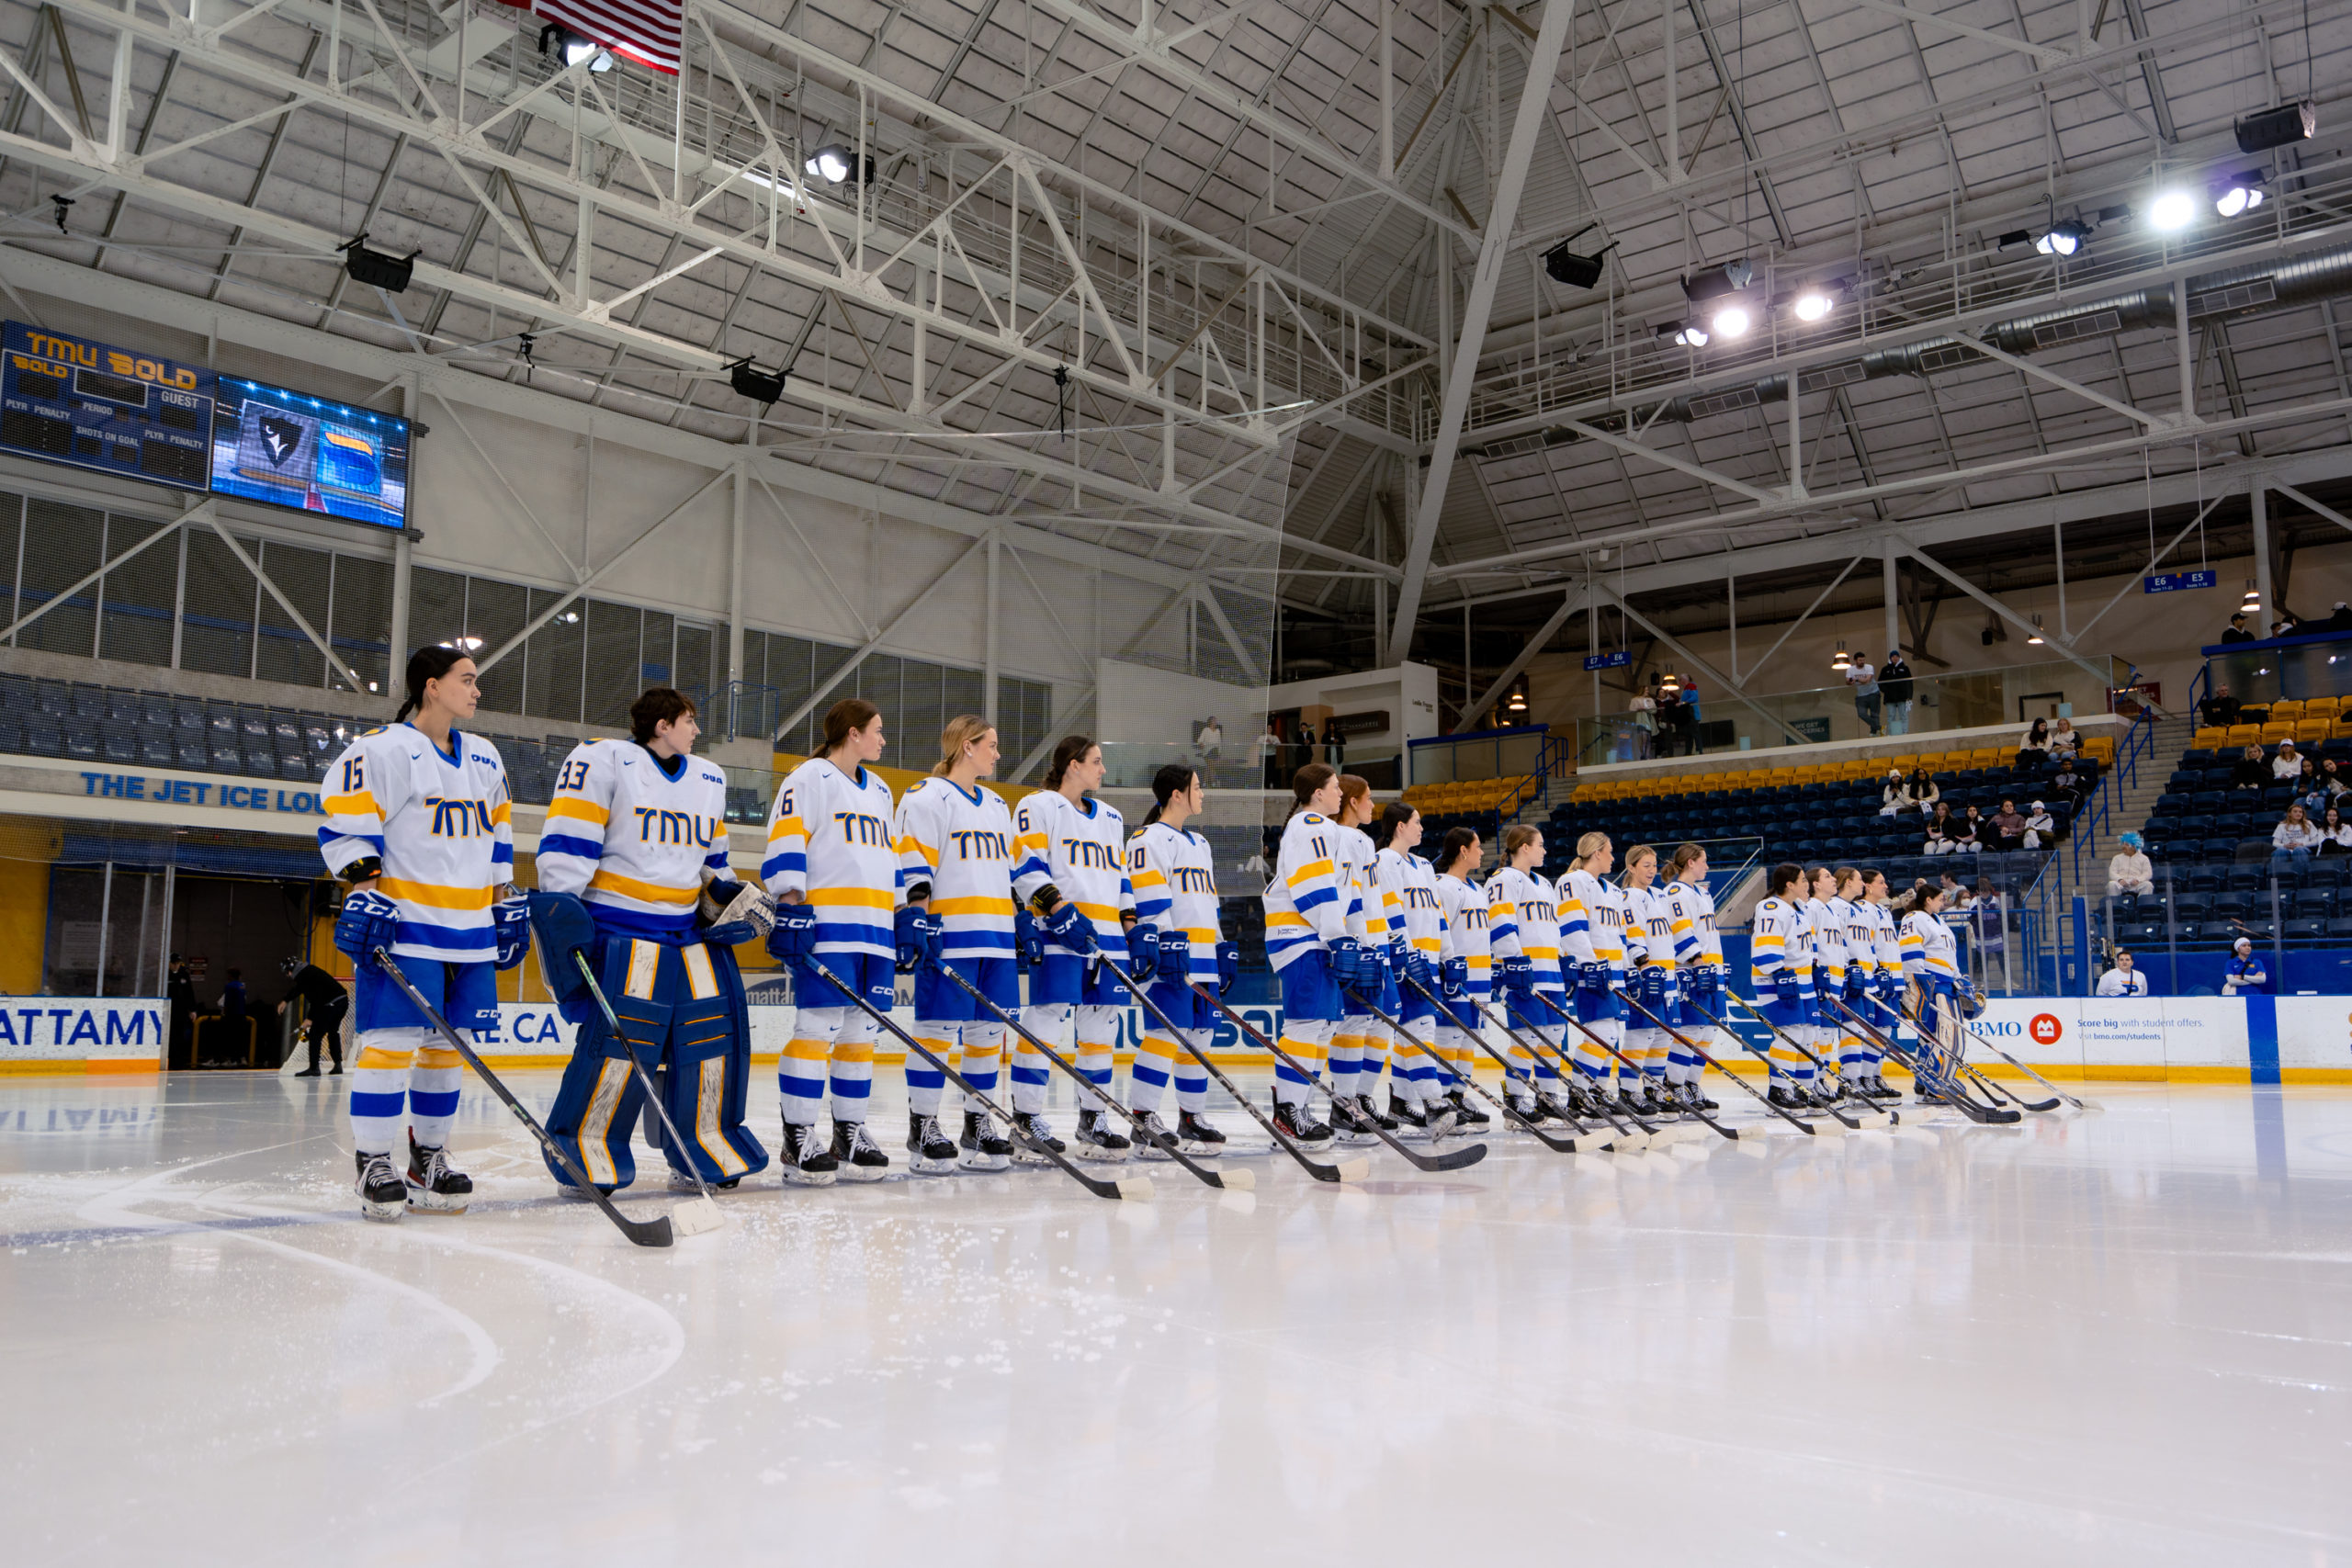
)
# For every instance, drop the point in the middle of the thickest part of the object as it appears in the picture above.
(287, 448)
(91, 405)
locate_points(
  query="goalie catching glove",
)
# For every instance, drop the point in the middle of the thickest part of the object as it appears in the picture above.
(734, 912)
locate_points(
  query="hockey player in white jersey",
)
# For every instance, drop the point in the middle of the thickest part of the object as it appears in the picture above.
(1881, 1007)
(1465, 970)
(1592, 952)
(632, 854)
(1360, 1043)
(1308, 943)
(1174, 877)
(1702, 975)
(418, 827)
(1408, 887)
(1779, 959)
(1651, 975)
(1084, 844)
(1827, 928)
(965, 865)
(1523, 929)
(832, 866)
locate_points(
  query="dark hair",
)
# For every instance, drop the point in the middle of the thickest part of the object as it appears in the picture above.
(1067, 749)
(1456, 840)
(1307, 781)
(1684, 856)
(845, 718)
(2039, 730)
(1392, 816)
(2125, 951)
(427, 663)
(659, 705)
(1871, 874)
(1782, 874)
(1172, 779)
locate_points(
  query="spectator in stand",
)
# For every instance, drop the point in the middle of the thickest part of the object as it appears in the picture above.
(2064, 739)
(1643, 707)
(1970, 837)
(2220, 710)
(2236, 630)
(2292, 842)
(2249, 771)
(1307, 744)
(1922, 788)
(2285, 626)
(1957, 897)
(2129, 870)
(2123, 980)
(2307, 788)
(2008, 827)
(1894, 691)
(2033, 751)
(2336, 834)
(2287, 765)
(1670, 721)
(2331, 783)
(2244, 972)
(1211, 739)
(1992, 934)
(1862, 676)
(2067, 783)
(2339, 621)
(2040, 828)
(1269, 754)
(1942, 832)
(1891, 796)
(1686, 720)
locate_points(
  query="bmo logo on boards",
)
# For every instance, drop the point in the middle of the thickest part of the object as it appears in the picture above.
(2045, 1029)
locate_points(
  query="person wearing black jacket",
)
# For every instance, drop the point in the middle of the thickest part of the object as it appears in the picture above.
(2236, 631)
(1895, 692)
(325, 1003)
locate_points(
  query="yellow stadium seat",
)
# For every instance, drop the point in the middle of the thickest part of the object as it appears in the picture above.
(2242, 734)
(2209, 738)
(2286, 708)
(2322, 707)
(2309, 729)
(2273, 732)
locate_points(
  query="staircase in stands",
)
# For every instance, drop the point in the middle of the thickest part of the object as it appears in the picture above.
(2128, 810)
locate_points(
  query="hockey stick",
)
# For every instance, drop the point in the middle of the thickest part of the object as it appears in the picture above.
(1643, 1133)
(1997, 1099)
(1799, 1122)
(1557, 1145)
(1877, 1118)
(1342, 1170)
(1693, 1109)
(2061, 1094)
(1455, 1159)
(1982, 1115)
(1957, 1099)
(1241, 1180)
(1132, 1188)
(699, 1214)
(644, 1232)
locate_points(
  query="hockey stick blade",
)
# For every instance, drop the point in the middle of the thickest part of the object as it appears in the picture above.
(1243, 1179)
(1557, 1145)
(1339, 1171)
(655, 1232)
(1872, 1118)
(1562, 1013)
(1456, 1159)
(1133, 1189)
(696, 1216)
(1622, 1139)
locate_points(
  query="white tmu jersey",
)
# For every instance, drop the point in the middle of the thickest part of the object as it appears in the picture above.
(1083, 848)
(963, 843)
(1174, 877)
(1593, 920)
(1408, 883)
(1655, 938)
(1367, 911)
(829, 839)
(1778, 941)
(441, 822)
(1466, 931)
(1523, 921)
(1306, 903)
(1694, 907)
(1928, 951)
(633, 835)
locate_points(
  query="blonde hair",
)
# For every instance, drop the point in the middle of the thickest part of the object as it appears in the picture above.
(1516, 837)
(1590, 843)
(961, 731)
(1634, 856)
(1684, 856)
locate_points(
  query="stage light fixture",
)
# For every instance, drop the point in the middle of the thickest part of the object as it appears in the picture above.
(1815, 304)
(2253, 599)
(2064, 239)
(1683, 334)
(835, 163)
(1717, 281)
(1843, 661)
(1669, 685)
(750, 381)
(2172, 210)
(575, 49)
(2036, 639)
(378, 269)
(1563, 266)
(2280, 127)
(1730, 320)
(2241, 192)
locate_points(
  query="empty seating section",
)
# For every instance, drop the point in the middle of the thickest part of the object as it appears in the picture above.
(1821, 812)
(112, 727)
(1483, 806)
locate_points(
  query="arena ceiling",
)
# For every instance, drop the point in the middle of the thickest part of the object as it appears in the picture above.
(1207, 284)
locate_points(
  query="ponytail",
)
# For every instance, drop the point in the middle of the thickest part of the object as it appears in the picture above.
(427, 663)
(1171, 779)
(1067, 749)
(1457, 839)
(1392, 816)
(1307, 782)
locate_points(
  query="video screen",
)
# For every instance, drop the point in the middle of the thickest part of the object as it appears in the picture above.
(286, 448)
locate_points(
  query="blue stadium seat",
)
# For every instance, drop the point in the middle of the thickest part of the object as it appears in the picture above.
(49, 697)
(118, 742)
(83, 701)
(12, 730)
(81, 737)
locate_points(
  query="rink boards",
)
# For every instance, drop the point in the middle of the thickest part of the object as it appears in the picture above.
(2182, 1038)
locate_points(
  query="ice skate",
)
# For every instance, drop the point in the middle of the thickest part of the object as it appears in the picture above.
(1368, 1112)
(1466, 1116)
(1345, 1122)
(1196, 1136)
(807, 1160)
(1095, 1140)
(1153, 1140)
(983, 1149)
(856, 1154)
(930, 1152)
(382, 1195)
(1784, 1098)
(683, 1181)
(1030, 1134)
(433, 1186)
(1298, 1125)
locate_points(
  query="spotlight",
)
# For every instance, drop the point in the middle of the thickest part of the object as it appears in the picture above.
(1718, 281)
(577, 49)
(750, 381)
(1683, 334)
(1813, 304)
(1669, 685)
(2064, 239)
(2172, 210)
(2036, 639)
(2241, 192)
(1563, 266)
(1517, 702)
(1844, 660)
(570, 617)
(2276, 127)
(836, 164)
(2253, 599)
(1730, 320)
(376, 269)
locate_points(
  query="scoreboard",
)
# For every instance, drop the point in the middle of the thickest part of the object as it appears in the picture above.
(69, 400)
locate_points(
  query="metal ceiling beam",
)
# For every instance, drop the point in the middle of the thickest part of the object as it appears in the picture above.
(1502, 216)
(2058, 644)
(1574, 599)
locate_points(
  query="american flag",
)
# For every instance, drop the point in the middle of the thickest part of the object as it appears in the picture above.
(648, 31)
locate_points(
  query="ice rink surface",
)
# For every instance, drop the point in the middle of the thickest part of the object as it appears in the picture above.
(2118, 1337)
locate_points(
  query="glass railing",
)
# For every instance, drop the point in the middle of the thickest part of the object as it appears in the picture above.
(1967, 700)
(1243, 763)
(2258, 674)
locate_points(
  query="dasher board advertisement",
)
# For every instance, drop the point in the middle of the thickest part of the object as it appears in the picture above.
(287, 448)
(115, 410)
